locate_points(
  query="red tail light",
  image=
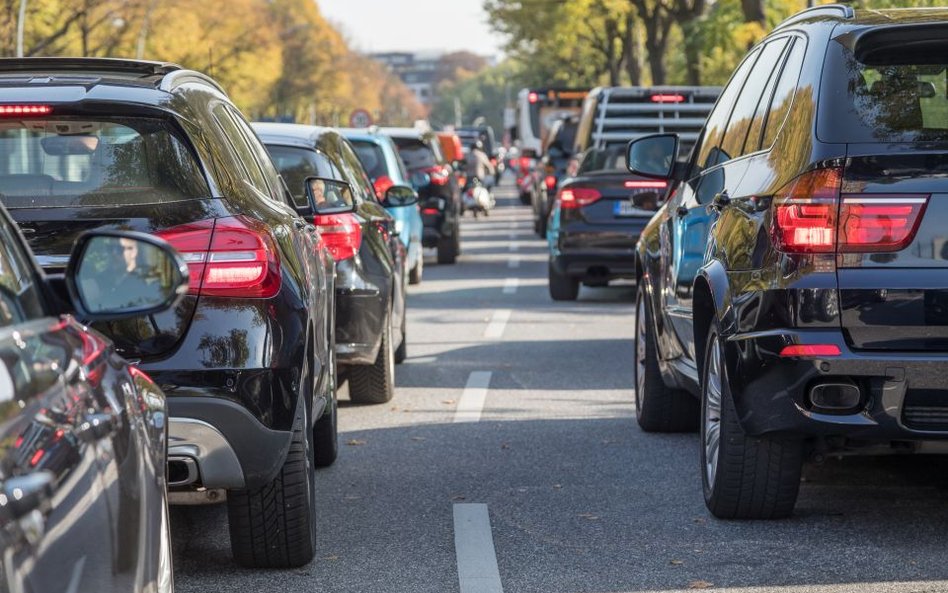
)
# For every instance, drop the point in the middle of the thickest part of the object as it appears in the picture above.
(550, 182)
(228, 257)
(577, 197)
(342, 234)
(525, 163)
(439, 175)
(805, 213)
(667, 98)
(808, 350)
(430, 211)
(646, 184)
(25, 110)
(381, 184)
(533, 97)
(876, 222)
(812, 217)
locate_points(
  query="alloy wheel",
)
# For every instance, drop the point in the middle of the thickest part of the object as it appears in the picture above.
(713, 387)
(639, 352)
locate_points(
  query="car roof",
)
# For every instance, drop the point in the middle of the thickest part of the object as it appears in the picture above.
(292, 134)
(868, 17)
(363, 134)
(405, 133)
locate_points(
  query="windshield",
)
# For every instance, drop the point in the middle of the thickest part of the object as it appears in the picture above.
(66, 162)
(415, 154)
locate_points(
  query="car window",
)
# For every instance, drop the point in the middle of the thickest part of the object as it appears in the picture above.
(709, 151)
(604, 160)
(403, 170)
(263, 157)
(96, 161)
(784, 93)
(372, 158)
(245, 153)
(355, 173)
(20, 298)
(752, 143)
(416, 154)
(298, 163)
(743, 113)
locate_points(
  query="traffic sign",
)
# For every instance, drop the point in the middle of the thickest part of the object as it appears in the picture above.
(360, 118)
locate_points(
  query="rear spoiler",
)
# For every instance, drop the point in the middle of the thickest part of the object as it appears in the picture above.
(139, 68)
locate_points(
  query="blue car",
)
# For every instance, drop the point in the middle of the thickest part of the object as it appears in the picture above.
(379, 157)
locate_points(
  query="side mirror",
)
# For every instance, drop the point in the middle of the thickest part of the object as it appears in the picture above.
(399, 195)
(329, 196)
(420, 179)
(116, 274)
(653, 156)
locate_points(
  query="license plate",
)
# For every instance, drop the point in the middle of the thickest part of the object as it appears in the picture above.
(625, 208)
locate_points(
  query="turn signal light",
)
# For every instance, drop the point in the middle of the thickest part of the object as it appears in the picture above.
(810, 350)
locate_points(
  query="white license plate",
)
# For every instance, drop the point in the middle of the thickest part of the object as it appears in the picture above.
(625, 208)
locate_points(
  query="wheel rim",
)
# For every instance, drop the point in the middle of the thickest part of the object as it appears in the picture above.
(390, 350)
(639, 352)
(165, 578)
(712, 413)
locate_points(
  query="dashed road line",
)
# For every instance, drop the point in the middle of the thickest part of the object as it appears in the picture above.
(513, 262)
(474, 547)
(511, 285)
(498, 322)
(472, 399)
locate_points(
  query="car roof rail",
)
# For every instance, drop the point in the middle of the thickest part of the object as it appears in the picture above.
(837, 10)
(116, 66)
(177, 78)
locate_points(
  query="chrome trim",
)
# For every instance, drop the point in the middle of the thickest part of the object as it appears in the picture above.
(190, 464)
(217, 464)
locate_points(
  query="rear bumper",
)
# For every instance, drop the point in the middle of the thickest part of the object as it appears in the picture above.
(904, 396)
(599, 263)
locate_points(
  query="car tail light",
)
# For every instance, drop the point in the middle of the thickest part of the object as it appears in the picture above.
(381, 184)
(533, 97)
(876, 222)
(439, 175)
(342, 234)
(808, 350)
(550, 182)
(805, 213)
(667, 98)
(232, 257)
(525, 163)
(646, 184)
(577, 197)
(430, 211)
(519, 180)
(811, 216)
(25, 110)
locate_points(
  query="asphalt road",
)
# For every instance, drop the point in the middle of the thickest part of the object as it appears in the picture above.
(577, 498)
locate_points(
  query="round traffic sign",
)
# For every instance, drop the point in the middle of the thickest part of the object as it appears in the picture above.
(360, 118)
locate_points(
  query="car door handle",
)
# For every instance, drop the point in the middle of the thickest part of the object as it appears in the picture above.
(721, 200)
(681, 211)
(24, 494)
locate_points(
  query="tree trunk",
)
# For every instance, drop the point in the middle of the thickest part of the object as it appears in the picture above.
(656, 31)
(754, 11)
(631, 54)
(692, 52)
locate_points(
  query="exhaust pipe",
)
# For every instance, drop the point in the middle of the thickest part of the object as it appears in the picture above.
(838, 396)
(182, 471)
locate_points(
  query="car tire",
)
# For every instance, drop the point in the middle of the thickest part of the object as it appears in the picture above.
(743, 477)
(658, 408)
(273, 526)
(447, 250)
(375, 383)
(416, 273)
(326, 429)
(562, 287)
(525, 198)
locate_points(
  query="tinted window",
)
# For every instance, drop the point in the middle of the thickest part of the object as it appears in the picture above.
(784, 94)
(354, 173)
(896, 95)
(296, 164)
(263, 157)
(95, 162)
(767, 64)
(709, 151)
(415, 153)
(752, 143)
(372, 158)
(19, 296)
(245, 153)
(604, 160)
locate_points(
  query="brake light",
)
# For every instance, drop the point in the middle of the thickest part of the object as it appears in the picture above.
(646, 184)
(807, 350)
(667, 98)
(439, 175)
(381, 184)
(873, 223)
(550, 182)
(577, 197)
(231, 257)
(525, 163)
(533, 97)
(25, 109)
(805, 213)
(342, 234)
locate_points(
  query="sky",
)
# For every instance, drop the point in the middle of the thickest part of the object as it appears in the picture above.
(410, 25)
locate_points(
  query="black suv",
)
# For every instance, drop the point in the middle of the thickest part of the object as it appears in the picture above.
(246, 357)
(795, 281)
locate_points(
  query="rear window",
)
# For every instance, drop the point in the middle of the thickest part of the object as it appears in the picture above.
(885, 89)
(372, 158)
(566, 135)
(415, 153)
(604, 160)
(67, 162)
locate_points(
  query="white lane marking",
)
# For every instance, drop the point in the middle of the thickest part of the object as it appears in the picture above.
(510, 285)
(498, 322)
(513, 262)
(472, 399)
(514, 246)
(514, 236)
(474, 546)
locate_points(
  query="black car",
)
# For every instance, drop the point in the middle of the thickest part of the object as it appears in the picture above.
(83, 433)
(440, 198)
(596, 221)
(556, 164)
(793, 283)
(246, 358)
(370, 259)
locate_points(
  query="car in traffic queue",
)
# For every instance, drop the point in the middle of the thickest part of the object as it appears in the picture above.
(595, 223)
(379, 158)
(246, 357)
(439, 195)
(556, 163)
(83, 433)
(791, 289)
(371, 325)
